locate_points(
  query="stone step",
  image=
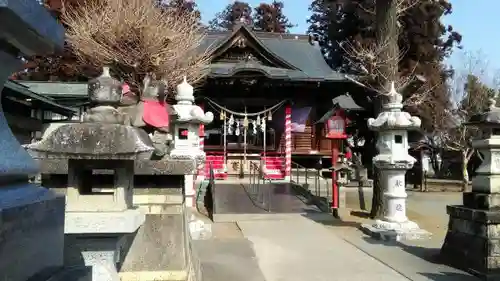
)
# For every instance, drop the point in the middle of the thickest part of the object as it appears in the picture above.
(160, 209)
(172, 275)
(142, 199)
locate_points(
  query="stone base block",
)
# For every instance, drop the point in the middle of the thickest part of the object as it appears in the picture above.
(31, 231)
(485, 201)
(473, 241)
(90, 250)
(391, 231)
(103, 222)
(98, 272)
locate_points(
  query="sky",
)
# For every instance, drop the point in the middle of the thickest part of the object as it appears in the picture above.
(478, 22)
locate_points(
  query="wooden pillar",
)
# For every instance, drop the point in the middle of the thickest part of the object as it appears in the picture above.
(201, 133)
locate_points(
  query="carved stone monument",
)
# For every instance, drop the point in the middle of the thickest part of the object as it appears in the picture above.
(98, 222)
(32, 217)
(393, 160)
(473, 238)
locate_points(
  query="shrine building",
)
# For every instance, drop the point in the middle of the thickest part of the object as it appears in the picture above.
(268, 92)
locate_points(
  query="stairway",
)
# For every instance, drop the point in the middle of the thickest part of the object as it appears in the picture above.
(274, 167)
(217, 161)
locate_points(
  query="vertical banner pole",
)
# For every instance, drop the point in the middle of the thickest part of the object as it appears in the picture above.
(288, 141)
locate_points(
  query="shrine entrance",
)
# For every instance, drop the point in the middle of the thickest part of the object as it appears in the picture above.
(244, 139)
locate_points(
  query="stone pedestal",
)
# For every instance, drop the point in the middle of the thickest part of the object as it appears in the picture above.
(473, 238)
(31, 217)
(393, 161)
(99, 219)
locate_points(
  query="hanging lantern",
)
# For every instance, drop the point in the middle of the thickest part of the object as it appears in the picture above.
(231, 120)
(222, 115)
(270, 117)
(258, 119)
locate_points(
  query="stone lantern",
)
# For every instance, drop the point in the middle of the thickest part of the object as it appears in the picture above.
(393, 160)
(104, 94)
(186, 125)
(473, 238)
(186, 134)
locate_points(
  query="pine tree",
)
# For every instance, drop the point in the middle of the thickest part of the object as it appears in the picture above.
(181, 6)
(233, 13)
(270, 18)
(335, 26)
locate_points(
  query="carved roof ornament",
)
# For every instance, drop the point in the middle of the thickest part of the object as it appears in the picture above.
(394, 99)
(185, 93)
(241, 42)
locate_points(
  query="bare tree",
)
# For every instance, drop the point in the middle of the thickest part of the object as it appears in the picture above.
(376, 59)
(470, 96)
(137, 38)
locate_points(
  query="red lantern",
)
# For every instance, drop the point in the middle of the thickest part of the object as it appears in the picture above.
(335, 127)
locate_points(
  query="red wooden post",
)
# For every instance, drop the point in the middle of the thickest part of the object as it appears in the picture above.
(335, 188)
(336, 132)
(288, 142)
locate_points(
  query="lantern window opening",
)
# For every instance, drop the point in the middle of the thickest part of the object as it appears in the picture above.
(398, 139)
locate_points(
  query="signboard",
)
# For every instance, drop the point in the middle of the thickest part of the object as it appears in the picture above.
(299, 118)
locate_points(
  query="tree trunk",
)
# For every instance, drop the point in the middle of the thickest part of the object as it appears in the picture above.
(361, 177)
(465, 171)
(360, 170)
(387, 36)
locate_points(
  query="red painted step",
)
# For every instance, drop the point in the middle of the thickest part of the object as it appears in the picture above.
(217, 162)
(275, 167)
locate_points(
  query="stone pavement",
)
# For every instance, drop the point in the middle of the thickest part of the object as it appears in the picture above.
(298, 249)
(309, 247)
(417, 261)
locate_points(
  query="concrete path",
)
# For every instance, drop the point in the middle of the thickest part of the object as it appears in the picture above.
(298, 249)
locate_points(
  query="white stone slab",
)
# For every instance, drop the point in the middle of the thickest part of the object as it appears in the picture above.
(103, 222)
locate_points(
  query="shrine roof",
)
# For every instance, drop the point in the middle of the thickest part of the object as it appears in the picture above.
(295, 53)
(19, 90)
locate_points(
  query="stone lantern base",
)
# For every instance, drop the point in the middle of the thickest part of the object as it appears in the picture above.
(472, 242)
(394, 231)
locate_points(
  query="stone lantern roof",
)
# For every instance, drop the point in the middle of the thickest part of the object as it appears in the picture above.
(392, 118)
(185, 110)
(489, 118)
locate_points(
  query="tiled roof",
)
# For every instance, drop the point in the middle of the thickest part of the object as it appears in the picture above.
(295, 50)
